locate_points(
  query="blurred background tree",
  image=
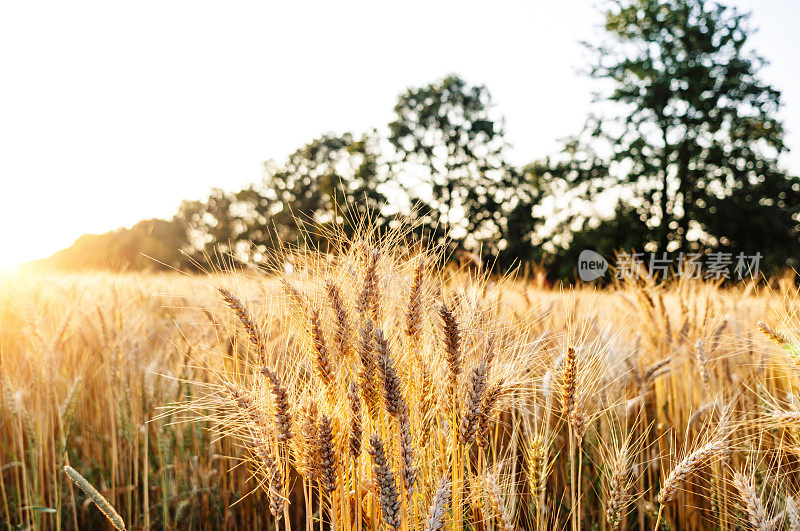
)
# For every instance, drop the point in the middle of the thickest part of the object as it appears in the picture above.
(151, 244)
(214, 228)
(332, 183)
(691, 131)
(450, 154)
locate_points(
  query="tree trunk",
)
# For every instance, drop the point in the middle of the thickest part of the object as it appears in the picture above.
(665, 216)
(684, 191)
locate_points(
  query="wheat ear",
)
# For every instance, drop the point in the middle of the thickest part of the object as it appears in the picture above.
(356, 425)
(342, 337)
(773, 334)
(247, 320)
(295, 295)
(476, 387)
(408, 470)
(98, 499)
(438, 506)
(245, 403)
(496, 501)
(452, 350)
(702, 363)
(414, 310)
(367, 303)
(569, 384)
(309, 461)
(427, 404)
(388, 495)
(686, 467)
(322, 362)
(274, 480)
(393, 397)
(751, 503)
(367, 373)
(283, 416)
(578, 421)
(535, 457)
(490, 400)
(792, 514)
(618, 488)
(397, 407)
(326, 453)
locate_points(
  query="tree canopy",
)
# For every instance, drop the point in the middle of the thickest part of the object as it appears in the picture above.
(451, 152)
(692, 131)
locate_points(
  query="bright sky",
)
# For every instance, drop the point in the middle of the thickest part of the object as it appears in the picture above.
(111, 113)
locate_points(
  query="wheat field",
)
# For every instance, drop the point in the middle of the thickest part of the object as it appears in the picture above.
(375, 388)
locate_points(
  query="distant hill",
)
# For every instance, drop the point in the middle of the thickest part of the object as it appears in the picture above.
(151, 244)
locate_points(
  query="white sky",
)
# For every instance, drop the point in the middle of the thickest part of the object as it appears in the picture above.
(111, 113)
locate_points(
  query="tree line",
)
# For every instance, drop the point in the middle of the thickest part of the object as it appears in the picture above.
(682, 154)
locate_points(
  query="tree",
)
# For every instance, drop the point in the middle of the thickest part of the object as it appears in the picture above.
(152, 244)
(524, 224)
(692, 131)
(216, 229)
(624, 231)
(451, 160)
(334, 183)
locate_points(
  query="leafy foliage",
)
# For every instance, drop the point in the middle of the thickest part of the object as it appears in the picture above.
(148, 245)
(452, 151)
(692, 131)
(333, 181)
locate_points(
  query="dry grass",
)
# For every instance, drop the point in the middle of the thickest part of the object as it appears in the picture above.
(377, 389)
